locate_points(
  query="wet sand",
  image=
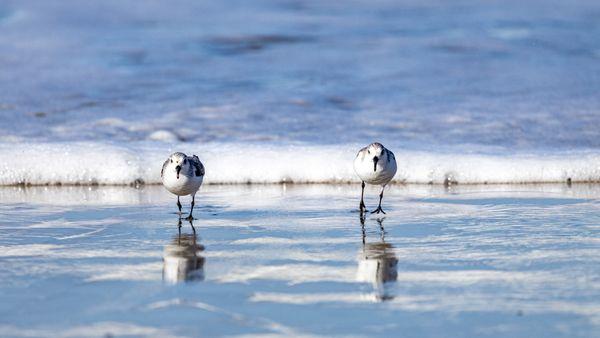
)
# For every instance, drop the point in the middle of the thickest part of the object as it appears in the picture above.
(292, 260)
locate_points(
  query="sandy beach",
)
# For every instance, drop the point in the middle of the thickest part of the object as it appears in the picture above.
(275, 260)
(488, 112)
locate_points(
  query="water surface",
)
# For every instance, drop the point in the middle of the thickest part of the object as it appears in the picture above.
(282, 260)
(466, 74)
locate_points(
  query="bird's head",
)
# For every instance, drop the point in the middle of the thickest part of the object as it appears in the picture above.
(179, 162)
(375, 151)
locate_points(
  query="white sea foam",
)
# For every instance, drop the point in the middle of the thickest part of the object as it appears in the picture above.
(467, 88)
(89, 163)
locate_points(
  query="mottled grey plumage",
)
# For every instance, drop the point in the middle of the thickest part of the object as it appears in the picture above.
(199, 168)
(388, 154)
(196, 169)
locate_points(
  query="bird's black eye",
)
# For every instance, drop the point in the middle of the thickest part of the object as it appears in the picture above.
(171, 160)
(368, 151)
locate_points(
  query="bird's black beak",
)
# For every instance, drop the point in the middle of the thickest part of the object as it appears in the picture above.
(375, 160)
(178, 169)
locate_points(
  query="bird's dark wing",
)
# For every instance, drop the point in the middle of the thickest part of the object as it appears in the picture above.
(162, 171)
(390, 155)
(198, 167)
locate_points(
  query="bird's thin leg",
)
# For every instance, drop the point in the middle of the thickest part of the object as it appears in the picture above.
(193, 229)
(190, 217)
(378, 210)
(179, 205)
(362, 206)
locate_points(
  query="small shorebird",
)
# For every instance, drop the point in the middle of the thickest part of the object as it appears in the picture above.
(374, 164)
(182, 175)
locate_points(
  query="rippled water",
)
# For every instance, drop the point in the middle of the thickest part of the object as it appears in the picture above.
(424, 74)
(100, 92)
(518, 261)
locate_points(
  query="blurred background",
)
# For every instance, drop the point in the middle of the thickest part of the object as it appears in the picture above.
(466, 75)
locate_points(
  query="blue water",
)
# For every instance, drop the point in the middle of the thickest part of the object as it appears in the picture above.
(469, 75)
(100, 92)
(518, 261)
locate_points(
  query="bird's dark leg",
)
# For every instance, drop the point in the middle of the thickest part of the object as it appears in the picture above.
(179, 205)
(378, 210)
(193, 229)
(190, 217)
(362, 206)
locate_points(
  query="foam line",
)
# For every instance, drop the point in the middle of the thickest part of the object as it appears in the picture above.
(90, 163)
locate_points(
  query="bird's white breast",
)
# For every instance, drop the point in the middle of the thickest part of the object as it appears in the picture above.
(185, 185)
(363, 166)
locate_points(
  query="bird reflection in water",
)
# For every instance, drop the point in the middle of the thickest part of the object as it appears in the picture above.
(181, 258)
(377, 263)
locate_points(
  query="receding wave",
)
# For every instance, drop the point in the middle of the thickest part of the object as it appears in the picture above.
(94, 163)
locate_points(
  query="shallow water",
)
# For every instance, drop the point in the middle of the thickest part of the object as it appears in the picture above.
(421, 75)
(283, 260)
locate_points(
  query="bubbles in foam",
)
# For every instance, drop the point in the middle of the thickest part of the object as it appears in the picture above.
(89, 163)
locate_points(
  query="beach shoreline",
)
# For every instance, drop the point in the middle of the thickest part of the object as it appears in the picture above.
(470, 258)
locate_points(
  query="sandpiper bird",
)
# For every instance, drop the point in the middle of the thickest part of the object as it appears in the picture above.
(374, 164)
(182, 175)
